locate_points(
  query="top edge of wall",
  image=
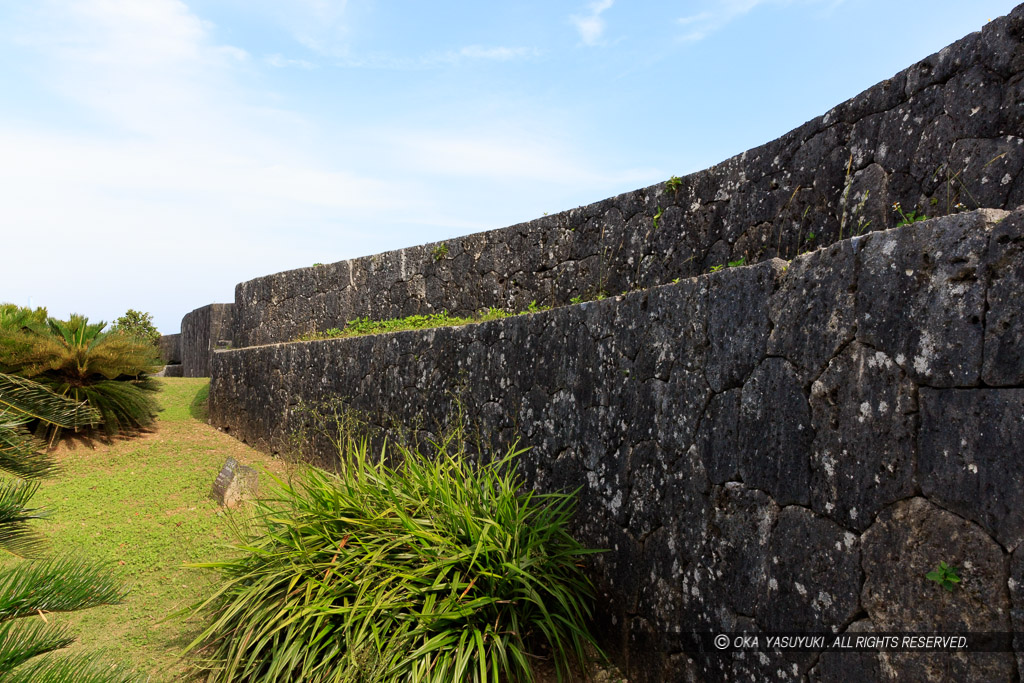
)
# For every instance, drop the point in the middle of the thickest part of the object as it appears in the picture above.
(930, 70)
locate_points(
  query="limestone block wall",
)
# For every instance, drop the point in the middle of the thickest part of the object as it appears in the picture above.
(784, 446)
(170, 348)
(202, 331)
(946, 131)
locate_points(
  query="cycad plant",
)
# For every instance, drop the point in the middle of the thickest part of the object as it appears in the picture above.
(78, 360)
(31, 589)
(435, 569)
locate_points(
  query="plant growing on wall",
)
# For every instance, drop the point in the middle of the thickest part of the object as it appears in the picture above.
(908, 217)
(944, 575)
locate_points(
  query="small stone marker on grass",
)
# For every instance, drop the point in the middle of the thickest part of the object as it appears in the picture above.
(234, 483)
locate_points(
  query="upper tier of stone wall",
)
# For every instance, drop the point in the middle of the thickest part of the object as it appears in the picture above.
(947, 130)
(783, 447)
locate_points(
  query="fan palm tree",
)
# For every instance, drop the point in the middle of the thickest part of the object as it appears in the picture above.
(78, 360)
(30, 589)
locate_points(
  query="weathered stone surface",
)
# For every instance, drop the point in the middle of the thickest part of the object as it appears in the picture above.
(866, 205)
(203, 331)
(968, 456)
(908, 541)
(840, 667)
(921, 297)
(738, 324)
(235, 483)
(813, 310)
(1004, 320)
(814, 574)
(737, 550)
(170, 348)
(775, 433)
(1016, 586)
(172, 371)
(718, 440)
(864, 417)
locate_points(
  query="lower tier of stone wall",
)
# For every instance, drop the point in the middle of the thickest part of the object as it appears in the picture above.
(790, 446)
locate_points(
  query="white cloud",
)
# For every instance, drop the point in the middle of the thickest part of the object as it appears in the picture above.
(516, 155)
(319, 25)
(698, 26)
(160, 161)
(591, 26)
(281, 62)
(500, 54)
(435, 60)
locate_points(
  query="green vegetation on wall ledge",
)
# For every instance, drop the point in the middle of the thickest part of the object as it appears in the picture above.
(363, 326)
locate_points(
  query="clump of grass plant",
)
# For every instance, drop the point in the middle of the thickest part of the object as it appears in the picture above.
(430, 569)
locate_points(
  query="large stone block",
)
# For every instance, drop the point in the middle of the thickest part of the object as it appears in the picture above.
(813, 310)
(921, 297)
(775, 433)
(864, 413)
(170, 349)
(907, 542)
(1004, 320)
(968, 460)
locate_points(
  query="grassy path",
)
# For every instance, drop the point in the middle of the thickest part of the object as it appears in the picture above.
(142, 505)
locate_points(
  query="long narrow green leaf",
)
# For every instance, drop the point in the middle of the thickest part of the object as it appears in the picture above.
(35, 401)
(60, 585)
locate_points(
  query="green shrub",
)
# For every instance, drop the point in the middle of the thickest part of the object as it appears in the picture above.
(137, 324)
(77, 359)
(433, 569)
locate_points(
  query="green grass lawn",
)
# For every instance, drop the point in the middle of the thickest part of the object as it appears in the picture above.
(143, 506)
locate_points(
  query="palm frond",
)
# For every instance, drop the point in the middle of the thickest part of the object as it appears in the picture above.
(21, 454)
(59, 585)
(16, 536)
(87, 668)
(21, 641)
(123, 406)
(35, 401)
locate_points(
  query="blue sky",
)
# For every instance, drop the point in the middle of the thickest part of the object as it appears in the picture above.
(153, 153)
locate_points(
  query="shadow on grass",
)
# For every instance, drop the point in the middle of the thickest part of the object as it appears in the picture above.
(199, 408)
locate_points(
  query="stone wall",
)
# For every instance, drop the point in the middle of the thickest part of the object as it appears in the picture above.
(945, 131)
(202, 331)
(785, 446)
(170, 348)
